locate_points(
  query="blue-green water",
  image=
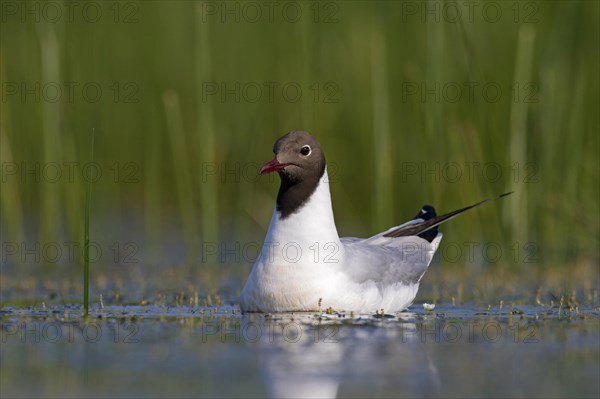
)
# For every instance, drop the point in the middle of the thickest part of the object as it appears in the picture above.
(191, 351)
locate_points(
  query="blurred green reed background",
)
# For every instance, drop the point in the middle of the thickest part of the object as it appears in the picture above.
(414, 102)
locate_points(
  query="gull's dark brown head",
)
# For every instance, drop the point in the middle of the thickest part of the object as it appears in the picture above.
(300, 163)
(298, 156)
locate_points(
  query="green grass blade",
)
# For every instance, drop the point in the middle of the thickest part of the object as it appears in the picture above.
(86, 238)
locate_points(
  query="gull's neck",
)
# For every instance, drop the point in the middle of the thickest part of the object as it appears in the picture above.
(311, 223)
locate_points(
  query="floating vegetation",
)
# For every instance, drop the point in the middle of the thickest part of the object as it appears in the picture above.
(429, 306)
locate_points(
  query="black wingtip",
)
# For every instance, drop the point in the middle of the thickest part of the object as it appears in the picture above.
(427, 212)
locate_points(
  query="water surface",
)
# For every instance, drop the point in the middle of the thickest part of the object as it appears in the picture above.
(195, 351)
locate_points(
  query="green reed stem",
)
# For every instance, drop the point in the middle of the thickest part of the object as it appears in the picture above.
(86, 238)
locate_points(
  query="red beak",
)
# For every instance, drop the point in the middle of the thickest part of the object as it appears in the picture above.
(272, 166)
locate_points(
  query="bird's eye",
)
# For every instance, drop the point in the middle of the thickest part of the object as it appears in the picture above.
(305, 150)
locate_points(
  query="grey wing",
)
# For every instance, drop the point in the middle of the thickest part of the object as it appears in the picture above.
(388, 260)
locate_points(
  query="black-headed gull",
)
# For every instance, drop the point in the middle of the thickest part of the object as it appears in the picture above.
(305, 266)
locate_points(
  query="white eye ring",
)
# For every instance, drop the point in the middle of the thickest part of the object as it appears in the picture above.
(302, 150)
